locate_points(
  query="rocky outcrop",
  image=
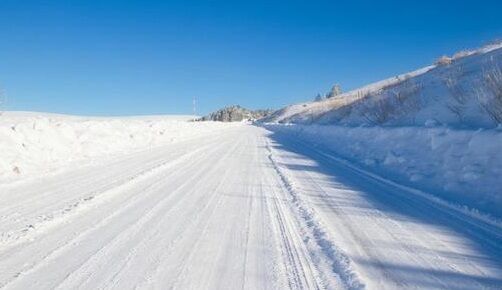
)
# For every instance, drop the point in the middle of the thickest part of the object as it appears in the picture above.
(236, 114)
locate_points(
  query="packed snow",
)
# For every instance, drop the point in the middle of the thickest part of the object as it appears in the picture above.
(235, 207)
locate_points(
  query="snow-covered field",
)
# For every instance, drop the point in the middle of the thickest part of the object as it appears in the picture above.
(227, 206)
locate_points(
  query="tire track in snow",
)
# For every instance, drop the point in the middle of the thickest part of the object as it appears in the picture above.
(184, 266)
(298, 265)
(456, 211)
(194, 181)
(249, 215)
(93, 199)
(440, 249)
(327, 250)
(295, 267)
(369, 240)
(28, 204)
(91, 265)
(416, 198)
(55, 253)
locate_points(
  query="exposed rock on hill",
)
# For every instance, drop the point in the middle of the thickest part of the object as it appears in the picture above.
(236, 114)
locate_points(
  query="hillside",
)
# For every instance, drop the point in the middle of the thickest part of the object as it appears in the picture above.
(462, 91)
(436, 129)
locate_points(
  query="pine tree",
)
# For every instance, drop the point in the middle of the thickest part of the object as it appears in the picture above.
(335, 91)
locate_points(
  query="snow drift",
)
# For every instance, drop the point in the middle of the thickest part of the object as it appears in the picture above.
(32, 143)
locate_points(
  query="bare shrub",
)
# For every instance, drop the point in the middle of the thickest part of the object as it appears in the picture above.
(341, 112)
(400, 101)
(495, 41)
(490, 99)
(379, 112)
(397, 82)
(459, 96)
(362, 95)
(444, 60)
(461, 54)
(406, 97)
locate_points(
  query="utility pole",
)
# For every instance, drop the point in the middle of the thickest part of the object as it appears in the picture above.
(3, 101)
(194, 109)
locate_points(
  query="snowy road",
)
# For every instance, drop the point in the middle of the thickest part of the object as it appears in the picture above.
(242, 209)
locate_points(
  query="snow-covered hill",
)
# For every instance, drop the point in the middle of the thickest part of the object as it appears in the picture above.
(32, 143)
(436, 129)
(462, 91)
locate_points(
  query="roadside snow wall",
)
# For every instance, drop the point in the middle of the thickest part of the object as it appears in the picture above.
(36, 143)
(463, 167)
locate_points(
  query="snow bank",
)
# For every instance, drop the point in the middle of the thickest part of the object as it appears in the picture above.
(33, 143)
(459, 166)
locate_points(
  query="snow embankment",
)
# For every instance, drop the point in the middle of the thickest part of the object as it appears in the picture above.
(35, 143)
(462, 91)
(459, 166)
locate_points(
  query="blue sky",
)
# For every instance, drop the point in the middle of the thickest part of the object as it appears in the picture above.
(151, 57)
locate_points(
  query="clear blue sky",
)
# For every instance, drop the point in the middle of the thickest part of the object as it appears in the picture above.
(150, 57)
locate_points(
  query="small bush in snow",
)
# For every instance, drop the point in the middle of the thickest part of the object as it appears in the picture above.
(444, 60)
(379, 111)
(491, 99)
(400, 101)
(495, 41)
(459, 96)
(461, 54)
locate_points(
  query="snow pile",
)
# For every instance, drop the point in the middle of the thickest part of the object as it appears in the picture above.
(32, 143)
(459, 166)
(465, 91)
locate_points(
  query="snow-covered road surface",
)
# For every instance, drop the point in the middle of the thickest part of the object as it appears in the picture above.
(241, 209)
